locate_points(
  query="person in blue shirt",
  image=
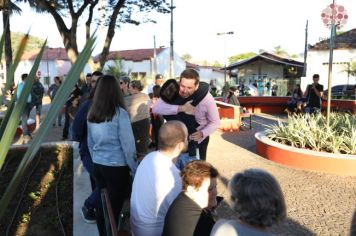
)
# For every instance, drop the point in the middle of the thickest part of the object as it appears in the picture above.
(28, 106)
(80, 134)
(111, 144)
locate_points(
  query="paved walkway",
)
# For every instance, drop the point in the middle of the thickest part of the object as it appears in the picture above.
(317, 203)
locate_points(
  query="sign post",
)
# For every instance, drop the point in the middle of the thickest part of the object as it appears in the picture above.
(334, 17)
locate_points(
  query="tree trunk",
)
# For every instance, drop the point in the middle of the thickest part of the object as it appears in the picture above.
(8, 48)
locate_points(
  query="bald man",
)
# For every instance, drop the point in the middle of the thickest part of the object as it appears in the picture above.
(157, 181)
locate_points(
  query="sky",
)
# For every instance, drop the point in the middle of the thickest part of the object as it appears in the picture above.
(257, 24)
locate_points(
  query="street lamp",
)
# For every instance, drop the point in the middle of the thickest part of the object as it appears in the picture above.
(171, 54)
(220, 34)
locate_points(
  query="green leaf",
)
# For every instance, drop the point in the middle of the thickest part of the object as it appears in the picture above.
(9, 110)
(13, 122)
(56, 106)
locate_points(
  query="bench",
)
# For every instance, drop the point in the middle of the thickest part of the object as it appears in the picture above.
(230, 120)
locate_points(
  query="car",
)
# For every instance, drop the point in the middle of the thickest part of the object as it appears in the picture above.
(342, 91)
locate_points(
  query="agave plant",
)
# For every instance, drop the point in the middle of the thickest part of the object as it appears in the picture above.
(312, 132)
(56, 106)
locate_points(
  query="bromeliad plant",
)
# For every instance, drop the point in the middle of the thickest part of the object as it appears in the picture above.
(14, 115)
(311, 132)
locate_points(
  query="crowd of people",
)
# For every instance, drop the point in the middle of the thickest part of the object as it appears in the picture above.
(151, 149)
(307, 102)
(169, 183)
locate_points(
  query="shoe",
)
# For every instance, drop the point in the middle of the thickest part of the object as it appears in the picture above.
(88, 215)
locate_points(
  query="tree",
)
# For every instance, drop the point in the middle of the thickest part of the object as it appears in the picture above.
(110, 13)
(8, 7)
(279, 51)
(218, 64)
(34, 43)
(187, 57)
(116, 69)
(241, 56)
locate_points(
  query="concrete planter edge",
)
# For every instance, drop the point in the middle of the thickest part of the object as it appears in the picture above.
(339, 164)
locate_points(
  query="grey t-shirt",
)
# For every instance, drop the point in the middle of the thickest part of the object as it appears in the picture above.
(233, 228)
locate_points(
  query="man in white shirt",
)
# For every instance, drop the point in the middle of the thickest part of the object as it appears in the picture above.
(157, 181)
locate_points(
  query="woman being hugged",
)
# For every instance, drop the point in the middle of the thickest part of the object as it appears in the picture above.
(111, 144)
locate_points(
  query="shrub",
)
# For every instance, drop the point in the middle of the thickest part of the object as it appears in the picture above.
(311, 132)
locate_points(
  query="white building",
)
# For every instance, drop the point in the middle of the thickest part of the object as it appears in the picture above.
(55, 62)
(318, 60)
(140, 63)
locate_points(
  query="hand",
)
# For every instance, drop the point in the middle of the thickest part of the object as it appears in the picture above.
(187, 108)
(196, 136)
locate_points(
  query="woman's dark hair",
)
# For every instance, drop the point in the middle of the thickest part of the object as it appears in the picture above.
(232, 89)
(107, 98)
(257, 198)
(170, 91)
(125, 79)
(137, 85)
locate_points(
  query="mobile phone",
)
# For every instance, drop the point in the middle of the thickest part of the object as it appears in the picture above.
(219, 199)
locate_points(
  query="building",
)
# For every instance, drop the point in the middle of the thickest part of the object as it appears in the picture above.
(285, 72)
(143, 64)
(55, 62)
(344, 54)
(210, 73)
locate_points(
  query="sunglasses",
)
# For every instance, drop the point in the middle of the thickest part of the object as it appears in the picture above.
(121, 82)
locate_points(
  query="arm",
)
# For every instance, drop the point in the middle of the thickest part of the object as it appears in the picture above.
(211, 116)
(127, 140)
(319, 91)
(80, 122)
(306, 92)
(49, 90)
(90, 142)
(164, 108)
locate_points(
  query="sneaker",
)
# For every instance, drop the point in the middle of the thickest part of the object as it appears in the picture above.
(88, 215)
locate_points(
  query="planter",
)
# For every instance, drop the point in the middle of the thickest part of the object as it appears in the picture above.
(340, 164)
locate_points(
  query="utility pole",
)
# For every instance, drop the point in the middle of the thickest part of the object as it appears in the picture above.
(305, 50)
(171, 55)
(219, 34)
(154, 59)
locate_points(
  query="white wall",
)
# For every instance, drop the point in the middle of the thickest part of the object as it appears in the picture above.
(318, 63)
(55, 68)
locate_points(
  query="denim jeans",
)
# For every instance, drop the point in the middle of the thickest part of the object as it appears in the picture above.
(24, 118)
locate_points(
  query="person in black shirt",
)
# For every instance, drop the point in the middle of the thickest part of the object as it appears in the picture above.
(170, 94)
(313, 95)
(190, 214)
